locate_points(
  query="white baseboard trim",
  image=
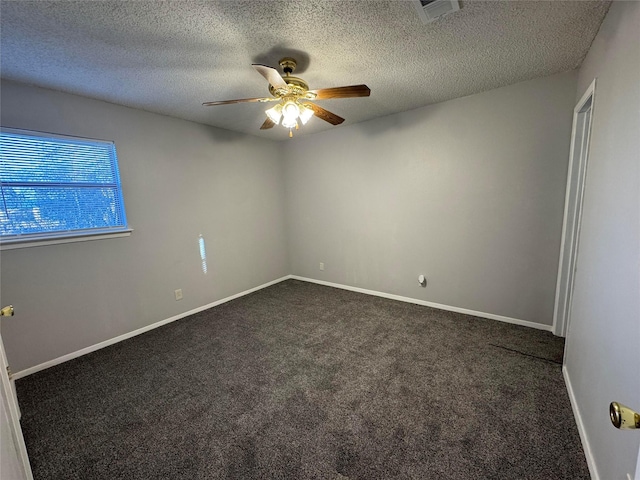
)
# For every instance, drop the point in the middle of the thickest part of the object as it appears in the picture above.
(491, 316)
(593, 471)
(106, 343)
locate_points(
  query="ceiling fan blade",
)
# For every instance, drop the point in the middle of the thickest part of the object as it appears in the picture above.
(272, 76)
(325, 115)
(239, 100)
(342, 92)
(268, 123)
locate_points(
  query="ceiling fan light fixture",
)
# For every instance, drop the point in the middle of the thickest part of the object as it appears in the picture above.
(289, 91)
(275, 113)
(305, 114)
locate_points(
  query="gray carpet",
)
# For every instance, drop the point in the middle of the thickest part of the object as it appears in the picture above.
(301, 381)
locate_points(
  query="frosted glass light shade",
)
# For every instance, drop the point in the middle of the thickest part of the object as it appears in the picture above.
(305, 114)
(288, 122)
(275, 113)
(290, 111)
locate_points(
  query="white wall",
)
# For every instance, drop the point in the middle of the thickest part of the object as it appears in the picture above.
(603, 342)
(180, 179)
(469, 192)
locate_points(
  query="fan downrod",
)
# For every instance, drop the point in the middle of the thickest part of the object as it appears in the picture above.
(288, 65)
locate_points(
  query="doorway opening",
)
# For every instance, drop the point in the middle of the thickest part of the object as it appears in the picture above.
(576, 177)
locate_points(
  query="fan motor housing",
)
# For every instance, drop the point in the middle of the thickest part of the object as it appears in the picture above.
(297, 86)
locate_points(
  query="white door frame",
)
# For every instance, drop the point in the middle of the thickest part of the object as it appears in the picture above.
(7, 392)
(576, 177)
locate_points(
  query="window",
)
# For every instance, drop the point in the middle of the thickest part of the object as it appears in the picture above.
(56, 187)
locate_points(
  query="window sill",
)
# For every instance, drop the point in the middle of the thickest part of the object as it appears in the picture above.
(59, 239)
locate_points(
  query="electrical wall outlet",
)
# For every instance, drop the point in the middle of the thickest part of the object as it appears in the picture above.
(178, 293)
(321, 265)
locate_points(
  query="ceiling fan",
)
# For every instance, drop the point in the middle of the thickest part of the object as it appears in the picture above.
(293, 95)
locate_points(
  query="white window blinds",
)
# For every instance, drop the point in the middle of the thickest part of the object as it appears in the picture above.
(54, 185)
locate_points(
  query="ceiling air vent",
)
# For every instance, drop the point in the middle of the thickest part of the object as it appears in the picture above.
(431, 10)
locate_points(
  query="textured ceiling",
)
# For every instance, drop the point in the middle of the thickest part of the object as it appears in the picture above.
(170, 56)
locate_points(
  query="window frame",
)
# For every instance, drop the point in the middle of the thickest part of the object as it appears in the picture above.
(67, 236)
